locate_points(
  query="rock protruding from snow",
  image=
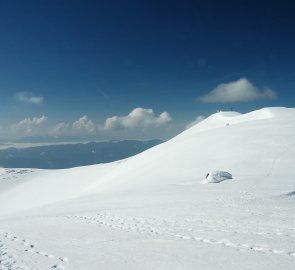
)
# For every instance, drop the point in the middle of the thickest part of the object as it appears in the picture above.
(291, 194)
(217, 177)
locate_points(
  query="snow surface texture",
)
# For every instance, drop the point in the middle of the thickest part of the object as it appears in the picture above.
(151, 211)
(217, 177)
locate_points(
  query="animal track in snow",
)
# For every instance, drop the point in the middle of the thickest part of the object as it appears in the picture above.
(24, 245)
(7, 260)
(188, 231)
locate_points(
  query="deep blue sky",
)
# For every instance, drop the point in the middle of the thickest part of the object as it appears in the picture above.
(105, 58)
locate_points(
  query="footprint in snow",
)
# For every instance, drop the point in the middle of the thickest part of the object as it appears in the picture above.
(58, 266)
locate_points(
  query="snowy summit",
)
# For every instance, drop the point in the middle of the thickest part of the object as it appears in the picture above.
(151, 211)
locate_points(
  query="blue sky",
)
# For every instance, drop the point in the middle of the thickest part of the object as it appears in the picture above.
(63, 60)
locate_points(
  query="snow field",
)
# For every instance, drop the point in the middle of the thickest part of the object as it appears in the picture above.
(151, 211)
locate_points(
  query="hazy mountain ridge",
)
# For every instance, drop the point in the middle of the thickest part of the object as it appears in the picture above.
(72, 155)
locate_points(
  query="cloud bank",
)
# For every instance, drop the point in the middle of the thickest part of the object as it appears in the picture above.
(241, 90)
(29, 126)
(83, 125)
(140, 122)
(60, 129)
(138, 118)
(27, 97)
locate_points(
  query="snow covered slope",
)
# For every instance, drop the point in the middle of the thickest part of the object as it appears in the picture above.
(152, 211)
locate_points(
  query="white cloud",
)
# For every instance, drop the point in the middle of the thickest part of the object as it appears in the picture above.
(60, 128)
(29, 126)
(198, 119)
(132, 125)
(27, 97)
(241, 90)
(137, 118)
(84, 124)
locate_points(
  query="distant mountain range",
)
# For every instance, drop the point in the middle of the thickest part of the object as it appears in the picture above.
(71, 155)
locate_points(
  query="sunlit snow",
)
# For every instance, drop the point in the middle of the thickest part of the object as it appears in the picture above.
(152, 211)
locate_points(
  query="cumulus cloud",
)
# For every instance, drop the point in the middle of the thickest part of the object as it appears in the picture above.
(84, 124)
(133, 124)
(29, 126)
(60, 128)
(198, 119)
(137, 118)
(241, 90)
(27, 97)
